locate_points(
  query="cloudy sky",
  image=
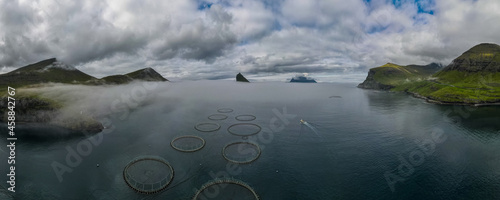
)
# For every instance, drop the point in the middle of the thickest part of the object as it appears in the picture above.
(196, 39)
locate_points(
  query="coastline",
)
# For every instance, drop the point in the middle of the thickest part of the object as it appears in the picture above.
(430, 100)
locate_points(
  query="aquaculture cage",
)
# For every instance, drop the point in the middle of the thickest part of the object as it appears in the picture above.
(217, 117)
(224, 110)
(241, 152)
(244, 129)
(245, 117)
(148, 174)
(207, 127)
(227, 189)
(187, 143)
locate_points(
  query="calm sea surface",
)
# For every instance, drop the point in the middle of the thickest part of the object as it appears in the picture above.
(359, 144)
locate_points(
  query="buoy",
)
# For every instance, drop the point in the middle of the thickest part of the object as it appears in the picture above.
(97, 165)
(276, 171)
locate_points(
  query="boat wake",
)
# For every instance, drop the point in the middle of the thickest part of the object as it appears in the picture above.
(309, 126)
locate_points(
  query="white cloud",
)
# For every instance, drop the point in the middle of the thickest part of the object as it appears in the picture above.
(251, 19)
(182, 41)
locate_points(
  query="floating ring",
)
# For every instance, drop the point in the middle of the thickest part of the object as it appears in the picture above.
(240, 150)
(244, 124)
(176, 147)
(228, 183)
(215, 128)
(245, 117)
(225, 110)
(144, 174)
(217, 117)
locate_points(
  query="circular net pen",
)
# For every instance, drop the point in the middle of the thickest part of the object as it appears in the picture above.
(187, 143)
(244, 129)
(228, 189)
(148, 174)
(241, 152)
(245, 117)
(207, 127)
(225, 110)
(217, 117)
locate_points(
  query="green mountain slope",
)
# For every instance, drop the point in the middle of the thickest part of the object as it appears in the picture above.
(32, 108)
(45, 71)
(472, 78)
(117, 79)
(390, 75)
(146, 74)
(51, 70)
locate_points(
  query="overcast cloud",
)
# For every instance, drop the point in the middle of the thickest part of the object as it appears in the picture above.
(194, 39)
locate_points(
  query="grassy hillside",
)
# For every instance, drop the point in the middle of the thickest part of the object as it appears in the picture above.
(472, 78)
(32, 108)
(390, 75)
(146, 74)
(43, 72)
(458, 87)
(117, 79)
(51, 70)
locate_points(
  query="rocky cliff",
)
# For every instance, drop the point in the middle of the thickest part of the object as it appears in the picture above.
(371, 83)
(241, 78)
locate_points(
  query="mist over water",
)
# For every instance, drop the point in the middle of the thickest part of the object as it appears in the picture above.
(364, 135)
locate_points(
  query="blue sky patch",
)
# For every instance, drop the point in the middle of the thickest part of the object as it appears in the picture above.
(202, 5)
(423, 6)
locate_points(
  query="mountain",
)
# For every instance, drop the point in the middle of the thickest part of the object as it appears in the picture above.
(51, 70)
(478, 64)
(117, 79)
(32, 108)
(389, 75)
(241, 78)
(146, 74)
(480, 58)
(473, 78)
(45, 71)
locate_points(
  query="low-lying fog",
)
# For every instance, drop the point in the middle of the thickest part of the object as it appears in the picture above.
(120, 100)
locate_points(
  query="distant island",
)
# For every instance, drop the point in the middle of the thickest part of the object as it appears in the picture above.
(31, 108)
(241, 78)
(471, 79)
(302, 78)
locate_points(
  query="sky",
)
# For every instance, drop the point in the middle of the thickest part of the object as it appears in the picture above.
(216, 39)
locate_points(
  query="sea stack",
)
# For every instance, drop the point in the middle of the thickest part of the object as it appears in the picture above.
(241, 78)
